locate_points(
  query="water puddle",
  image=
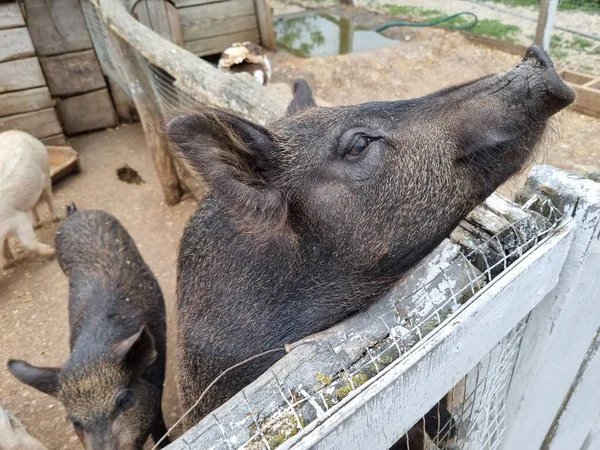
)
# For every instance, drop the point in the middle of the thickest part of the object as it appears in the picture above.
(313, 35)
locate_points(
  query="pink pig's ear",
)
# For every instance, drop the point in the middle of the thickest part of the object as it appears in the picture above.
(234, 156)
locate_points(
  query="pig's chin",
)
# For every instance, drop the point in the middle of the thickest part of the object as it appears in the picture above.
(490, 167)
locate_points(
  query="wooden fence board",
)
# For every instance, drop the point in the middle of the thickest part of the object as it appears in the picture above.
(21, 74)
(217, 44)
(383, 409)
(90, 111)
(73, 73)
(25, 101)
(40, 124)
(15, 43)
(57, 26)
(265, 24)
(57, 139)
(10, 16)
(216, 19)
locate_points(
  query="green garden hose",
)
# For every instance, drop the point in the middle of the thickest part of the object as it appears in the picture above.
(433, 23)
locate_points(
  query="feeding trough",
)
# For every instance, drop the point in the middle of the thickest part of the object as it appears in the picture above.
(63, 161)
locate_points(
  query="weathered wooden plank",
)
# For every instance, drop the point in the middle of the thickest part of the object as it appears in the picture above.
(57, 139)
(15, 43)
(217, 44)
(123, 104)
(155, 15)
(389, 407)
(25, 101)
(40, 124)
(216, 19)
(11, 16)
(579, 412)
(90, 111)
(73, 73)
(560, 329)
(57, 26)
(21, 74)
(140, 86)
(588, 100)
(163, 18)
(592, 441)
(575, 77)
(265, 24)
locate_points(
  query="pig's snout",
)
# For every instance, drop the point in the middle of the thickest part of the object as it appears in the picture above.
(541, 73)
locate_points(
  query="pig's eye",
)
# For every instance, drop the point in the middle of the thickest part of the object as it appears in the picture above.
(358, 146)
(76, 424)
(125, 400)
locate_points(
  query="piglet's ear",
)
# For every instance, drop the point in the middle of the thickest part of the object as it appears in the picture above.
(137, 351)
(303, 97)
(44, 379)
(234, 156)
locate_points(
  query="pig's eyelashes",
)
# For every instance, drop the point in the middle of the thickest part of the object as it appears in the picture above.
(358, 146)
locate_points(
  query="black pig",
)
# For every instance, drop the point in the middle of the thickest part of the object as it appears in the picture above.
(111, 385)
(317, 215)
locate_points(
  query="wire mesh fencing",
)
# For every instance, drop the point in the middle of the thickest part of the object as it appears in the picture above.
(102, 45)
(286, 402)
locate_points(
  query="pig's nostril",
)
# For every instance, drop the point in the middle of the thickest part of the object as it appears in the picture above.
(535, 56)
(561, 94)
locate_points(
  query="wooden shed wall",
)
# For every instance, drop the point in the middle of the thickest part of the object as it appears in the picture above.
(62, 41)
(25, 100)
(210, 27)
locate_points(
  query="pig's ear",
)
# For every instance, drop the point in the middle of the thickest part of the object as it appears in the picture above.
(44, 379)
(137, 351)
(303, 97)
(234, 156)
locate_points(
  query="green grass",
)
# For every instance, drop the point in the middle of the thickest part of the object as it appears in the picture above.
(491, 28)
(496, 29)
(590, 6)
(560, 45)
(411, 11)
(581, 43)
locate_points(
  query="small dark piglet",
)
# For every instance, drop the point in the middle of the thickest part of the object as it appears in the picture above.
(111, 385)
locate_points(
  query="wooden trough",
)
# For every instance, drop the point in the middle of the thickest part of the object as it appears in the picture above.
(63, 161)
(587, 87)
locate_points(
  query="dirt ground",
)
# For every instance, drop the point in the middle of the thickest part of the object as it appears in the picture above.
(33, 295)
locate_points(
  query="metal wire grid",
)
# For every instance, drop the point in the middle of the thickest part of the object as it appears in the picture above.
(477, 404)
(101, 42)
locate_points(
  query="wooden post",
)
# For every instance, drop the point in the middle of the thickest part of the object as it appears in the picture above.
(265, 24)
(550, 404)
(163, 18)
(148, 110)
(545, 23)
(124, 106)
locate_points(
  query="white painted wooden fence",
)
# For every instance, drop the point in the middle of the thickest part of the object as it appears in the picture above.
(520, 357)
